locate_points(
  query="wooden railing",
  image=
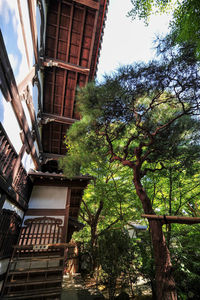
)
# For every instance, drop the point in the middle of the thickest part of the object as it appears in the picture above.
(9, 231)
(8, 158)
(41, 231)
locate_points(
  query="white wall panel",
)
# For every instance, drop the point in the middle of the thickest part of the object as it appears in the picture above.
(51, 197)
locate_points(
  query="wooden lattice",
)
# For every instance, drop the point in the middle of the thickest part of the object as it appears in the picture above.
(41, 231)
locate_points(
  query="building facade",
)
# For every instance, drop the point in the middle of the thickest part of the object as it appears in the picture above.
(47, 49)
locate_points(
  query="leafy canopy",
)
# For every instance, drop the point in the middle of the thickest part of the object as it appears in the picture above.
(141, 111)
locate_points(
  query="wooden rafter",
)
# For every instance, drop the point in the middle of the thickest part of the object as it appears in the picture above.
(51, 156)
(57, 29)
(64, 92)
(55, 118)
(30, 106)
(18, 162)
(60, 141)
(81, 35)
(66, 66)
(53, 89)
(50, 144)
(93, 38)
(89, 3)
(70, 33)
(78, 60)
(173, 219)
(73, 97)
(4, 84)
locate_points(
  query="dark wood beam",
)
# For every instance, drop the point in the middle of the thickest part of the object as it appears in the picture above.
(73, 97)
(2, 199)
(89, 3)
(26, 96)
(64, 92)
(57, 29)
(18, 163)
(51, 156)
(78, 61)
(52, 90)
(65, 227)
(39, 174)
(70, 32)
(67, 66)
(173, 219)
(45, 118)
(45, 212)
(81, 35)
(93, 38)
(32, 17)
(4, 84)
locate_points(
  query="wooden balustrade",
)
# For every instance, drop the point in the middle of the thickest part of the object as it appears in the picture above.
(8, 159)
(9, 231)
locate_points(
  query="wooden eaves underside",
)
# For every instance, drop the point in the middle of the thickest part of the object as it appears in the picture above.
(73, 37)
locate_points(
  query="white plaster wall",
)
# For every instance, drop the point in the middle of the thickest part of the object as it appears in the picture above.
(4, 265)
(27, 162)
(51, 197)
(11, 125)
(3, 268)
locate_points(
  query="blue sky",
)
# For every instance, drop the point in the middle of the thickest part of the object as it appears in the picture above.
(126, 41)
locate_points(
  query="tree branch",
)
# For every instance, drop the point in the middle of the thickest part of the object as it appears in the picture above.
(109, 226)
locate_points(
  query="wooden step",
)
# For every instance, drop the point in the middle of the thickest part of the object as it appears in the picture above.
(35, 270)
(30, 258)
(56, 291)
(29, 283)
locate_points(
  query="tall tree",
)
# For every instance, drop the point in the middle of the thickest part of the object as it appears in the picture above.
(141, 116)
(106, 203)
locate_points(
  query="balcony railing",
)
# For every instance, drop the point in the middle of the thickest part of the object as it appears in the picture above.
(9, 231)
(8, 159)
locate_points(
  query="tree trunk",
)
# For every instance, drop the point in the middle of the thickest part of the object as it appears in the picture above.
(165, 284)
(94, 246)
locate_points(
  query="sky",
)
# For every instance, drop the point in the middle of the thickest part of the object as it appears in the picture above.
(126, 41)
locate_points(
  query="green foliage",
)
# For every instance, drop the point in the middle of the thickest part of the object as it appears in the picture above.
(114, 255)
(144, 117)
(113, 248)
(186, 260)
(176, 188)
(143, 9)
(139, 105)
(185, 25)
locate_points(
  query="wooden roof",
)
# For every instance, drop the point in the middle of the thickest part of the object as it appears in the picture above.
(73, 38)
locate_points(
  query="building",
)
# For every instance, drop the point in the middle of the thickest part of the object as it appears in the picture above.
(47, 49)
